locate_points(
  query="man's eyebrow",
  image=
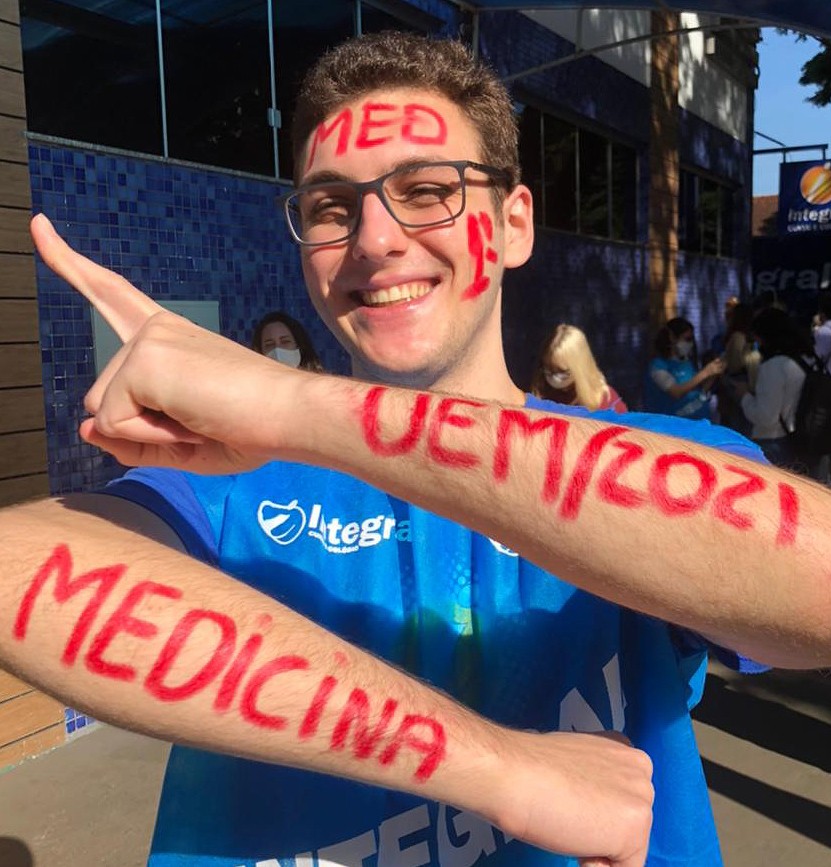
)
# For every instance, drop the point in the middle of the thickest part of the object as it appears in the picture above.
(324, 177)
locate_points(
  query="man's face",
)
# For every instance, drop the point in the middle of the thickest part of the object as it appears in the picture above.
(416, 306)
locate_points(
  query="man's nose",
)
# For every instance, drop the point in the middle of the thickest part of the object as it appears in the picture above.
(378, 234)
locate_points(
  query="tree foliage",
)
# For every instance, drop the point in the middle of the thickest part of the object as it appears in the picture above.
(817, 73)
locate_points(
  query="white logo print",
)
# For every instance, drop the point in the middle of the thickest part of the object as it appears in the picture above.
(503, 549)
(282, 524)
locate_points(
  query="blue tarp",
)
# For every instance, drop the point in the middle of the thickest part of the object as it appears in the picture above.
(812, 16)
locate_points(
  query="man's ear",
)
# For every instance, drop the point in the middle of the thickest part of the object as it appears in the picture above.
(518, 220)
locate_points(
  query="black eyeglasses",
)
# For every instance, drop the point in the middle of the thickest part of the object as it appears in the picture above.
(417, 196)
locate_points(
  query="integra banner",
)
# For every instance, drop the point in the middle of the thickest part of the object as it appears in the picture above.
(794, 269)
(804, 197)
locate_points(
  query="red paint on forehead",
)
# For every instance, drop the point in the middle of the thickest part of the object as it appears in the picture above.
(381, 122)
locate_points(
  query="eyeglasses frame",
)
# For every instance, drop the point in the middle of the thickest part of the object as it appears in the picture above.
(377, 186)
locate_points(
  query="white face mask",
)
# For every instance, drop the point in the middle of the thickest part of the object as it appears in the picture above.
(291, 357)
(559, 380)
(683, 349)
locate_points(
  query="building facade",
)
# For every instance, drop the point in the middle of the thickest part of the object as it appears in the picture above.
(157, 145)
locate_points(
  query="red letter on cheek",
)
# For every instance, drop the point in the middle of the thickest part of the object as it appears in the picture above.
(344, 121)
(154, 683)
(443, 416)
(411, 118)
(369, 420)
(433, 749)
(659, 489)
(363, 140)
(60, 562)
(122, 621)
(248, 703)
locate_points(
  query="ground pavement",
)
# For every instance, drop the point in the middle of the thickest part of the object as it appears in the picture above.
(766, 744)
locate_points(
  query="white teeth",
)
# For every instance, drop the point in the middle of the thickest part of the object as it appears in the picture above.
(402, 292)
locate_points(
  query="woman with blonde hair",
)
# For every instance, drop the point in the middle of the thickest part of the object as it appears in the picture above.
(567, 373)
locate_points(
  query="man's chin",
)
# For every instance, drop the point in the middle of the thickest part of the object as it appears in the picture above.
(395, 372)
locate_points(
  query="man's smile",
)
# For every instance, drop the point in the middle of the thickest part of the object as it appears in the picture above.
(395, 294)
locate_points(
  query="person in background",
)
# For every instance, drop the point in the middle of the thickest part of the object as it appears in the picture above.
(742, 359)
(283, 338)
(674, 384)
(567, 372)
(822, 330)
(772, 408)
(719, 342)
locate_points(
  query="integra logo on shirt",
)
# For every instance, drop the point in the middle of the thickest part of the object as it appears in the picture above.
(284, 524)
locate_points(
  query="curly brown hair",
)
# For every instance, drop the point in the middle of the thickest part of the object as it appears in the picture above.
(404, 60)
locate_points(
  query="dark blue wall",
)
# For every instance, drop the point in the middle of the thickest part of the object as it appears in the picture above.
(177, 233)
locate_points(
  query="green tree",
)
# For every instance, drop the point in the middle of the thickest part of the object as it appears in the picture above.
(817, 73)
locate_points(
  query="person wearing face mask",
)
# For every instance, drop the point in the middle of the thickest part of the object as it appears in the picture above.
(283, 338)
(567, 373)
(674, 383)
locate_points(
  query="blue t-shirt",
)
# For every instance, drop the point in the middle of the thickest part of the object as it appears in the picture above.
(454, 608)
(693, 405)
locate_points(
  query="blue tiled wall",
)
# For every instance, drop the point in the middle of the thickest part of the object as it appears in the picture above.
(177, 233)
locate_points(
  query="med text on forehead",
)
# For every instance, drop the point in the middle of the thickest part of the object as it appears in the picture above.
(377, 123)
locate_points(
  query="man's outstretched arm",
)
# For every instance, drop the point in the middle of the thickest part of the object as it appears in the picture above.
(145, 637)
(736, 551)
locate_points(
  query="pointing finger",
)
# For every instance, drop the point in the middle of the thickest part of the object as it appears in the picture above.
(124, 307)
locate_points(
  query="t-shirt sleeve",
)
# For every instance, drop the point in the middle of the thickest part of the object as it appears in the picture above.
(192, 506)
(661, 376)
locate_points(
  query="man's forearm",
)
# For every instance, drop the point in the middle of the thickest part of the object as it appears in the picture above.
(733, 549)
(147, 638)
(142, 636)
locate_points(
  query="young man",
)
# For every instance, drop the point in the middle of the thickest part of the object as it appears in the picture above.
(407, 210)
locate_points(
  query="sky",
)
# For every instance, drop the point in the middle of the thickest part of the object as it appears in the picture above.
(781, 108)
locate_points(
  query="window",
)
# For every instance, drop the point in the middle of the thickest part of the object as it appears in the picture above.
(705, 215)
(217, 83)
(92, 72)
(581, 181)
(394, 15)
(302, 32)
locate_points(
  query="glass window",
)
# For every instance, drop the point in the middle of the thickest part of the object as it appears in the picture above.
(302, 32)
(594, 185)
(392, 15)
(559, 174)
(580, 180)
(530, 155)
(624, 192)
(688, 237)
(709, 202)
(706, 216)
(92, 72)
(217, 83)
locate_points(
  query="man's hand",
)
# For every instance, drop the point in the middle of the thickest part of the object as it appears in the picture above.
(585, 795)
(175, 394)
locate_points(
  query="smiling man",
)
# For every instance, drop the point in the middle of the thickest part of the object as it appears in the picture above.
(548, 569)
